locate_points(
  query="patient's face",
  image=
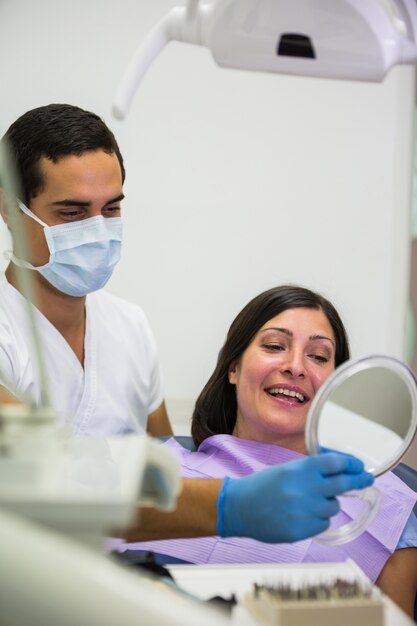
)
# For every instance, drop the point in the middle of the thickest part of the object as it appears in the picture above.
(279, 374)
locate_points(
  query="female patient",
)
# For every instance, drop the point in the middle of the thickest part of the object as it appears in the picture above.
(252, 413)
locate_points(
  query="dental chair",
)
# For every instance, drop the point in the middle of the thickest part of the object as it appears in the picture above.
(409, 476)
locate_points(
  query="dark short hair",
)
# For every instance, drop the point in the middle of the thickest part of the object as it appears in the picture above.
(216, 407)
(54, 131)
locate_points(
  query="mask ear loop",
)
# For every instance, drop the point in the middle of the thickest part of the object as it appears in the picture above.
(371, 498)
(28, 212)
(20, 262)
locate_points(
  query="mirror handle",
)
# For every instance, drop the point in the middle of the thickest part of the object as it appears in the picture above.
(371, 498)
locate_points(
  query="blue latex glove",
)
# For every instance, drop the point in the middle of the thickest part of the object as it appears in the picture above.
(288, 502)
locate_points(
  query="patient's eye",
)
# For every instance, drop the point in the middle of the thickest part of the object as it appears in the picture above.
(273, 347)
(319, 358)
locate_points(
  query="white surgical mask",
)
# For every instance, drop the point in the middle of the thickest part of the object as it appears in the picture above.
(82, 253)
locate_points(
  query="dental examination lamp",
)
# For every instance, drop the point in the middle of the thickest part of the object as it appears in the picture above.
(342, 39)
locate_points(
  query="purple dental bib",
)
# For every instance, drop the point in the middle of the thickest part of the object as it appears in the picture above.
(225, 455)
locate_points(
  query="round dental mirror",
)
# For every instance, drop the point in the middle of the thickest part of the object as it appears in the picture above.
(368, 408)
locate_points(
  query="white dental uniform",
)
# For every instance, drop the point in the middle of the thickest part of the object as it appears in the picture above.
(121, 381)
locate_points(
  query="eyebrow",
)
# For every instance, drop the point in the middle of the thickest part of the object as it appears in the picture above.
(289, 333)
(69, 202)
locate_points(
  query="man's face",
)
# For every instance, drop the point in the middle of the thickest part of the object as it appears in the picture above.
(76, 188)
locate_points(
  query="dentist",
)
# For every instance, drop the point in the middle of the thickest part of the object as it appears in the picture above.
(100, 354)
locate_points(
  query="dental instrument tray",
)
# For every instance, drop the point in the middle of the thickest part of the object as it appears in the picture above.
(324, 602)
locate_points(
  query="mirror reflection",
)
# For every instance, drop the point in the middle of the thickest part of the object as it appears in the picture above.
(369, 415)
(367, 408)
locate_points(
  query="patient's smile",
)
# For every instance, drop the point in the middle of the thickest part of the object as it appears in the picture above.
(290, 394)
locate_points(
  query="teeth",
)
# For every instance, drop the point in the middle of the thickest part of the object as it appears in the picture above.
(286, 392)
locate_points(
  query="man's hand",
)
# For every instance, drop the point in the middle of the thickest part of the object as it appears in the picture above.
(288, 502)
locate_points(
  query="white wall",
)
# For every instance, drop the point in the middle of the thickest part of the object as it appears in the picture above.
(236, 182)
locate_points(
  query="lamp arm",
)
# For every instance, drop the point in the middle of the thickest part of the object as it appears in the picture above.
(163, 32)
